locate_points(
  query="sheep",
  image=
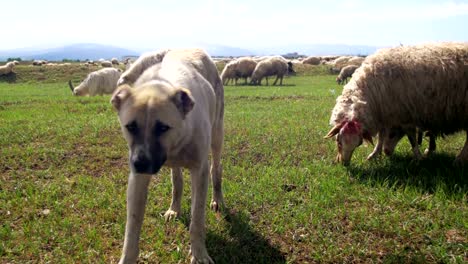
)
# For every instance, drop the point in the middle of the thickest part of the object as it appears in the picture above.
(276, 65)
(345, 73)
(103, 81)
(311, 60)
(7, 68)
(423, 86)
(229, 73)
(240, 68)
(341, 62)
(39, 62)
(357, 61)
(106, 64)
(140, 65)
(115, 61)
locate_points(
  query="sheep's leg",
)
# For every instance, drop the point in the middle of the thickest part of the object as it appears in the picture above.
(378, 148)
(432, 144)
(462, 158)
(276, 80)
(281, 81)
(414, 144)
(420, 136)
(266, 81)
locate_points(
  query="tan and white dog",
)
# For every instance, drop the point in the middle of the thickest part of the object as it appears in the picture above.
(171, 115)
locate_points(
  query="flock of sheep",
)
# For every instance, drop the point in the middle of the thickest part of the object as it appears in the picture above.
(395, 92)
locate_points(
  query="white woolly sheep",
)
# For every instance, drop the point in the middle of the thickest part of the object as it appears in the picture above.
(422, 86)
(106, 64)
(103, 81)
(229, 73)
(140, 65)
(357, 61)
(312, 60)
(7, 68)
(39, 62)
(276, 65)
(345, 73)
(115, 61)
(240, 68)
(341, 62)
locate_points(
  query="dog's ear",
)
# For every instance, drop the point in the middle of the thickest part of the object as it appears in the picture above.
(120, 95)
(183, 100)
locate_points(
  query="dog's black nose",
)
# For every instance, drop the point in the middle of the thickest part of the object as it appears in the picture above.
(141, 164)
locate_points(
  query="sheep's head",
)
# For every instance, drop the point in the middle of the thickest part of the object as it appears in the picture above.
(349, 136)
(338, 80)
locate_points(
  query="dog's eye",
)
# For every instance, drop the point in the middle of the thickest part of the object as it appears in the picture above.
(161, 128)
(132, 127)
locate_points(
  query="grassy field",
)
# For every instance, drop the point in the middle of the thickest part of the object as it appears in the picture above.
(63, 174)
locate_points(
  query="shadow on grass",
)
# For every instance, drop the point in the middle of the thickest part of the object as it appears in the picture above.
(428, 175)
(242, 244)
(9, 78)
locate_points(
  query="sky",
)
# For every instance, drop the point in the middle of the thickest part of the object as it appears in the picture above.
(150, 24)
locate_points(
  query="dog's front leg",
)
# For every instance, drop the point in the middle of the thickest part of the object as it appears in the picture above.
(197, 226)
(137, 191)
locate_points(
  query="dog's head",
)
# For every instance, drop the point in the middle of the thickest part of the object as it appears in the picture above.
(152, 120)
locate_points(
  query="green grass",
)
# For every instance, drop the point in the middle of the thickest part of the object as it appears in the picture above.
(287, 201)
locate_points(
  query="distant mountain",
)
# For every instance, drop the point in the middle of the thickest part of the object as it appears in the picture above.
(74, 52)
(85, 51)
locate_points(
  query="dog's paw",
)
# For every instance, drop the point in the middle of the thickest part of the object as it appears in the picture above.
(203, 258)
(216, 206)
(170, 215)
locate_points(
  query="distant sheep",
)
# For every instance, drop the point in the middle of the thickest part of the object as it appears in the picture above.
(357, 61)
(345, 73)
(103, 81)
(106, 64)
(39, 62)
(240, 68)
(229, 73)
(115, 61)
(268, 67)
(312, 60)
(7, 68)
(423, 86)
(144, 62)
(341, 62)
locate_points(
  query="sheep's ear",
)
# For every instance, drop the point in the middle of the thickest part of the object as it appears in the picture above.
(183, 100)
(335, 130)
(120, 95)
(367, 137)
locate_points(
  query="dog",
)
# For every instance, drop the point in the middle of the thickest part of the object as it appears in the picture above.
(172, 115)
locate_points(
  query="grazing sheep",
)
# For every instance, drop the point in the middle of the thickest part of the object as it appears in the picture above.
(341, 62)
(103, 81)
(345, 73)
(229, 73)
(276, 65)
(423, 86)
(240, 68)
(39, 62)
(115, 61)
(357, 61)
(7, 68)
(106, 64)
(140, 65)
(312, 60)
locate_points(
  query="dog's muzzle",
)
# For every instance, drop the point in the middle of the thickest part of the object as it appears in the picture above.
(143, 164)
